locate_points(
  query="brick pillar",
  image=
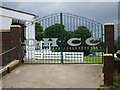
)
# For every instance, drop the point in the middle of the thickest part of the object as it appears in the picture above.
(1, 59)
(16, 39)
(108, 56)
(108, 69)
(109, 38)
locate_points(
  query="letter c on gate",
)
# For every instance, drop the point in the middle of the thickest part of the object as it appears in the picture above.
(88, 41)
(74, 39)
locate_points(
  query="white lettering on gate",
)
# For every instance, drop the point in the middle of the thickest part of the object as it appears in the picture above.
(47, 41)
(88, 41)
(53, 42)
(70, 41)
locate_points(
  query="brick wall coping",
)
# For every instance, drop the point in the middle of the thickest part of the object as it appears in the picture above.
(4, 30)
(108, 55)
(109, 24)
(15, 26)
(9, 65)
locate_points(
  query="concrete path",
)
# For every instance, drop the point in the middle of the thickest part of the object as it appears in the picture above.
(54, 76)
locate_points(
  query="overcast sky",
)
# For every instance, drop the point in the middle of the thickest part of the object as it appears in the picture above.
(99, 11)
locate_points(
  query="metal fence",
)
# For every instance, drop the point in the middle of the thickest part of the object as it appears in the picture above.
(117, 37)
(84, 35)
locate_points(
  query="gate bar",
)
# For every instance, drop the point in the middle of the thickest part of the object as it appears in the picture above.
(61, 23)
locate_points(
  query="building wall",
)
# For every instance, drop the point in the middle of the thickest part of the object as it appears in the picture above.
(10, 45)
(6, 17)
(6, 23)
(17, 15)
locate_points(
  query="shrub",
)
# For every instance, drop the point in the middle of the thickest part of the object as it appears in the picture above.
(93, 50)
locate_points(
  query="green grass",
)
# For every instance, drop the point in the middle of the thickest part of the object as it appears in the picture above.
(93, 59)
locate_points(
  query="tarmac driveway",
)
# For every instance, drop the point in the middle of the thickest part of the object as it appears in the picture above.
(54, 76)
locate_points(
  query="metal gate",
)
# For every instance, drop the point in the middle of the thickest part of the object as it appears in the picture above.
(66, 39)
(117, 37)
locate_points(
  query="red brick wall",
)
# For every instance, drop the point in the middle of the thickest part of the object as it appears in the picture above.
(6, 41)
(11, 40)
(109, 38)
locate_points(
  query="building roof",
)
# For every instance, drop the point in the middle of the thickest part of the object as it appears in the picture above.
(17, 11)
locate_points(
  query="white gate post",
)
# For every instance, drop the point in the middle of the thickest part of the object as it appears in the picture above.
(30, 34)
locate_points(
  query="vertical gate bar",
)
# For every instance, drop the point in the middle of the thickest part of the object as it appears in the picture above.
(46, 52)
(118, 36)
(31, 47)
(57, 29)
(98, 35)
(42, 59)
(92, 36)
(66, 28)
(28, 46)
(22, 40)
(66, 23)
(57, 19)
(89, 27)
(50, 56)
(95, 59)
(47, 23)
(73, 23)
(102, 41)
(61, 29)
(80, 22)
(95, 46)
(83, 22)
(117, 31)
(95, 30)
(86, 24)
(21, 34)
(98, 30)
(92, 28)
(43, 24)
(69, 22)
(76, 23)
(51, 20)
(54, 20)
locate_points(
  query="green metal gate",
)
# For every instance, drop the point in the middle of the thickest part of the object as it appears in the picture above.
(66, 39)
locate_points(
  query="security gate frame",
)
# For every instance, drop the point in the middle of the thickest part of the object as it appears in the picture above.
(66, 54)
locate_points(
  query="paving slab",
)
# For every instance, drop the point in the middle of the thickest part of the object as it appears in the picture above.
(54, 76)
